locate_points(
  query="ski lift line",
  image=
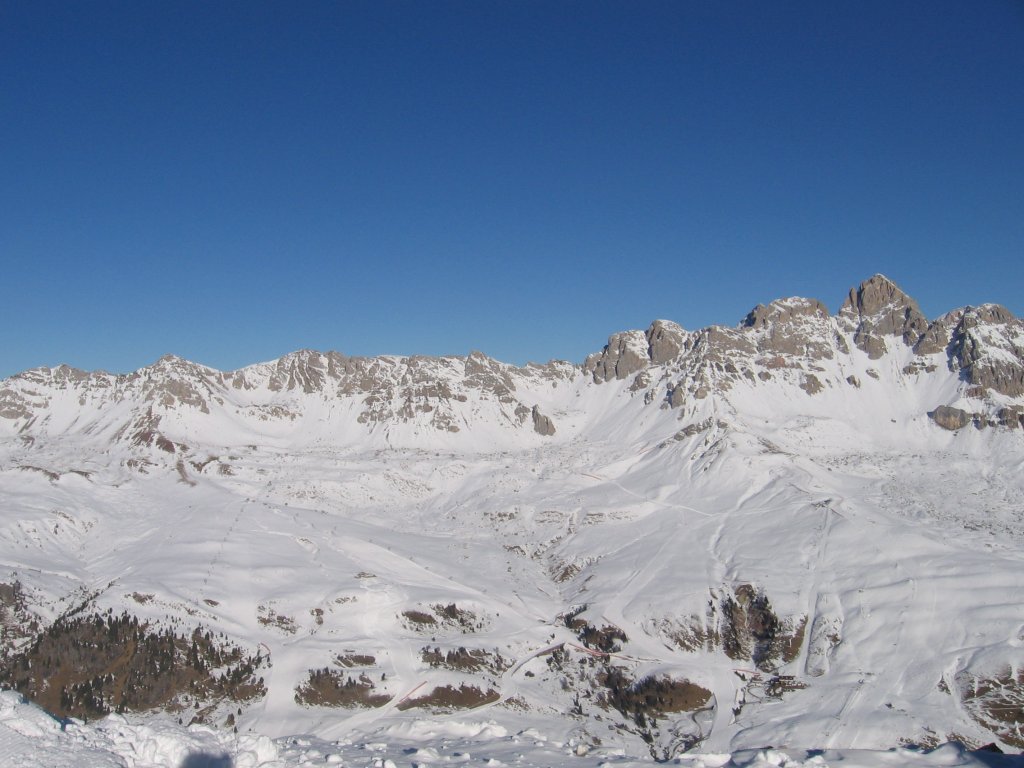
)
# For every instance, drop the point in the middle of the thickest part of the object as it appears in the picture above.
(604, 655)
(591, 651)
(410, 693)
(547, 649)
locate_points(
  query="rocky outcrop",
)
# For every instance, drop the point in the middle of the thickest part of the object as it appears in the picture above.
(783, 311)
(811, 384)
(489, 376)
(987, 347)
(994, 700)
(750, 629)
(172, 382)
(879, 309)
(629, 352)
(936, 338)
(542, 425)
(1011, 417)
(623, 355)
(665, 341)
(950, 418)
(1007, 417)
(795, 327)
(304, 370)
(13, 405)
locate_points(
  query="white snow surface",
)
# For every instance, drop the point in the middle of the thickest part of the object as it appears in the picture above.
(290, 525)
(29, 738)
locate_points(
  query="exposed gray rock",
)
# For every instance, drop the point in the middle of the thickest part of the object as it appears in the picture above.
(987, 347)
(490, 376)
(877, 309)
(640, 382)
(173, 381)
(783, 311)
(693, 429)
(303, 370)
(714, 352)
(628, 352)
(811, 384)
(950, 418)
(936, 338)
(677, 396)
(1011, 417)
(542, 424)
(873, 345)
(665, 365)
(664, 341)
(792, 327)
(623, 355)
(13, 405)
(750, 629)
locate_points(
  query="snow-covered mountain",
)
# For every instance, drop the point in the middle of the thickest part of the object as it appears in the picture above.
(805, 530)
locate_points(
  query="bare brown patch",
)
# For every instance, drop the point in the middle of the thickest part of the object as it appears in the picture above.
(268, 618)
(92, 665)
(419, 618)
(355, 660)
(449, 698)
(997, 703)
(328, 687)
(463, 660)
(651, 696)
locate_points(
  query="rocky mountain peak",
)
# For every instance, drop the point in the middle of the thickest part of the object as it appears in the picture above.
(628, 352)
(792, 327)
(172, 367)
(783, 311)
(664, 341)
(877, 309)
(625, 353)
(994, 314)
(874, 295)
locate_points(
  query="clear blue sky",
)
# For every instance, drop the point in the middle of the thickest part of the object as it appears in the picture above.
(233, 181)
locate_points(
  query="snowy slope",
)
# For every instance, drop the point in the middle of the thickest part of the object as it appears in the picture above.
(31, 739)
(802, 531)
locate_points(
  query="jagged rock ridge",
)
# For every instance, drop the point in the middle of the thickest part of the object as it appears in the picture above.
(788, 339)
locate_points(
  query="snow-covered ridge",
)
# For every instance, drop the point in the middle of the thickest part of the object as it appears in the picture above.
(973, 358)
(804, 531)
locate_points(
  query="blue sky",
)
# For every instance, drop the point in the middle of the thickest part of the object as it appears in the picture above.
(233, 181)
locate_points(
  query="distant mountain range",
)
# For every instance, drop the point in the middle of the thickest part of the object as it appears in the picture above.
(803, 530)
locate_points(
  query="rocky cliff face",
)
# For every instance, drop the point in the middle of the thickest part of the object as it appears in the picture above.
(877, 310)
(797, 341)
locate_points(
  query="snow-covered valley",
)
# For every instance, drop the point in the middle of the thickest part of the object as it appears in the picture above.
(806, 532)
